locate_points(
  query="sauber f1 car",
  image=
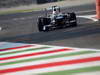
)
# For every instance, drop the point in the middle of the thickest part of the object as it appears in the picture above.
(56, 19)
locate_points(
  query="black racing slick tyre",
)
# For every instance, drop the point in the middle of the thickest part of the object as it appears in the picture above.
(73, 18)
(40, 24)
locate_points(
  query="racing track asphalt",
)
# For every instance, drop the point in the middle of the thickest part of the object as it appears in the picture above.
(21, 27)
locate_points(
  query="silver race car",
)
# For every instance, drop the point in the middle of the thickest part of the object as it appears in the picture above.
(56, 19)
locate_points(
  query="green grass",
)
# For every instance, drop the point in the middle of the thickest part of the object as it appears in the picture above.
(19, 11)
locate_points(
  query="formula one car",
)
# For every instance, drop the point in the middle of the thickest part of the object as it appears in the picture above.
(56, 19)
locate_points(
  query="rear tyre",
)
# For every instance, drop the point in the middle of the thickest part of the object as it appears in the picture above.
(73, 18)
(40, 24)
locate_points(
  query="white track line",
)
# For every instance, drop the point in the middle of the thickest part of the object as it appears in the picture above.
(28, 52)
(57, 68)
(50, 60)
(91, 17)
(22, 49)
(40, 56)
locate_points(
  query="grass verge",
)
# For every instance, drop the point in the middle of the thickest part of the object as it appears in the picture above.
(19, 11)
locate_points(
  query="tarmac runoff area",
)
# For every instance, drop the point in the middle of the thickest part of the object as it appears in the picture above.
(35, 59)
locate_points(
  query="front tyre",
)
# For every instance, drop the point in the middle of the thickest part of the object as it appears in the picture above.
(43, 24)
(73, 19)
